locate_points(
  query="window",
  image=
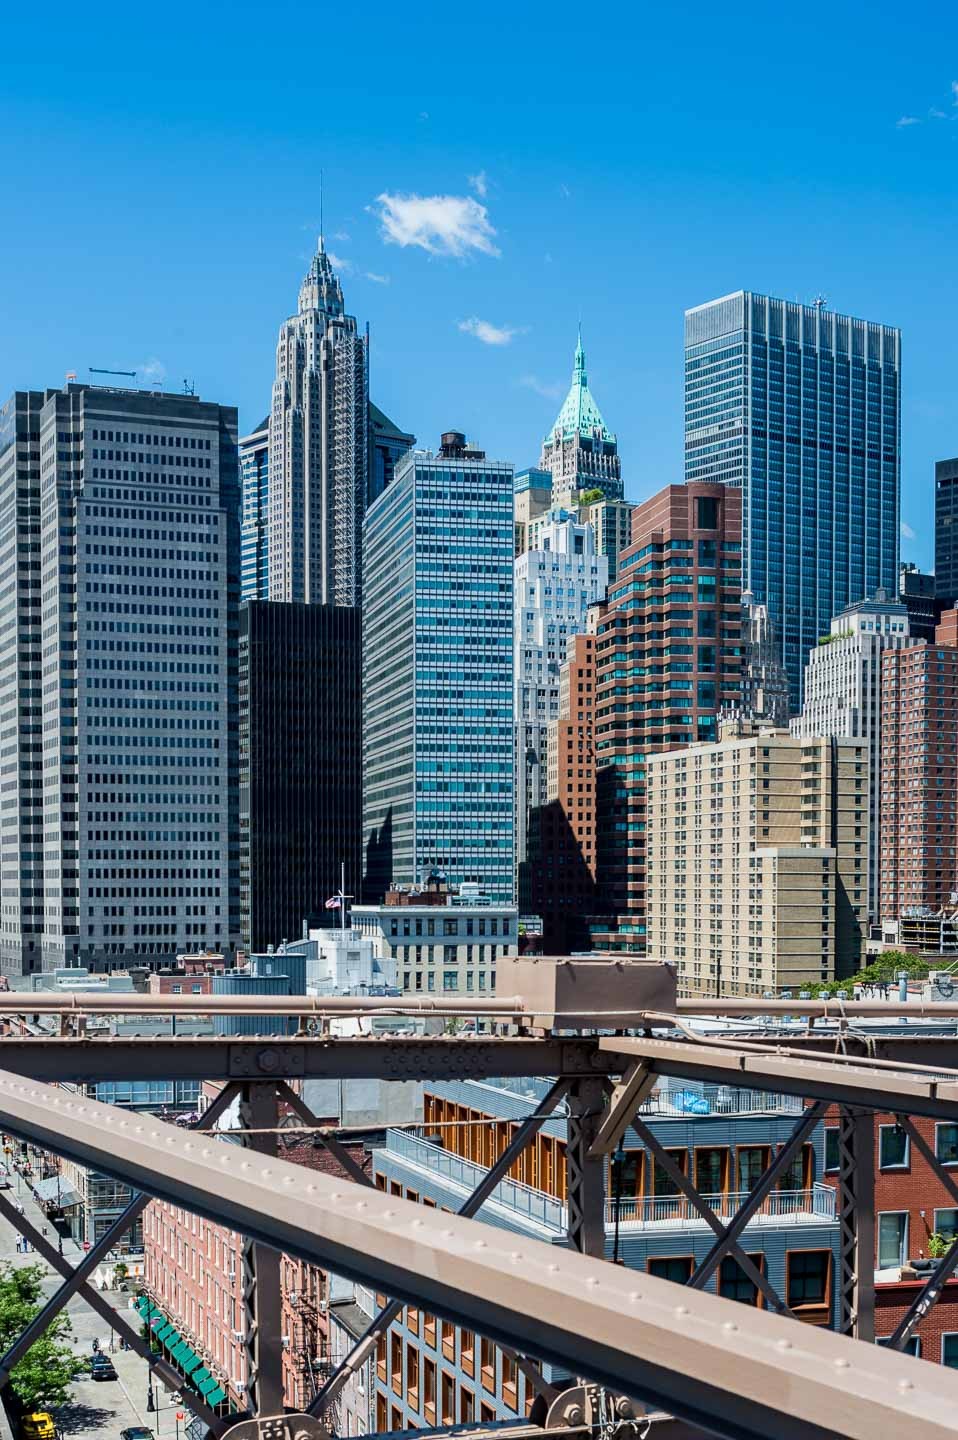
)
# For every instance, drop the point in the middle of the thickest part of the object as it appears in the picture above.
(750, 1162)
(946, 1223)
(487, 1357)
(672, 1267)
(946, 1144)
(467, 1406)
(448, 1416)
(662, 1182)
(807, 1275)
(429, 1329)
(711, 1169)
(429, 1390)
(832, 1162)
(706, 512)
(412, 1377)
(395, 1364)
(448, 1341)
(892, 1147)
(912, 1345)
(949, 1350)
(892, 1239)
(467, 1352)
(733, 1282)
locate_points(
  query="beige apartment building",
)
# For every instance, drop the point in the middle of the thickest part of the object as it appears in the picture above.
(758, 860)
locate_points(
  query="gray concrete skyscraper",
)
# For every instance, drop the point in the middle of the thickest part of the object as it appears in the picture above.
(318, 447)
(21, 693)
(800, 408)
(139, 573)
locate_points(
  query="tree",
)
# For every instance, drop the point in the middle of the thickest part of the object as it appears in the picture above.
(883, 971)
(42, 1379)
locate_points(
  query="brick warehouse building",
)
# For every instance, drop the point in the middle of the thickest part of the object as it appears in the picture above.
(668, 659)
(193, 1274)
(911, 1204)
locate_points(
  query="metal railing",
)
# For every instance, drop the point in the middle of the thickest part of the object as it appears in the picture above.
(522, 1199)
(817, 1202)
(700, 1100)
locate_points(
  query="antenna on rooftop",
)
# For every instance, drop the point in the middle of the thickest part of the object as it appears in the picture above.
(130, 374)
(820, 302)
(189, 387)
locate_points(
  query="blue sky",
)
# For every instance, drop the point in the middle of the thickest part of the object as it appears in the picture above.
(161, 194)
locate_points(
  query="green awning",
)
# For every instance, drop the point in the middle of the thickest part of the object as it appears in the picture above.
(206, 1387)
(201, 1377)
(187, 1358)
(213, 1397)
(171, 1339)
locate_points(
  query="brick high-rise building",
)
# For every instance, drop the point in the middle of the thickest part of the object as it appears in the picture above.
(919, 774)
(561, 865)
(668, 658)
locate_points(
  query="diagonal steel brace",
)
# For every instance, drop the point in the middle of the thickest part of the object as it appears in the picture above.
(930, 1292)
(366, 1344)
(710, 1217)
(76, 1277)
(703, 1272)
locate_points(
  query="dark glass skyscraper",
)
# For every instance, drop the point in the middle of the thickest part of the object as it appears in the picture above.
(799, 407)
(946, 529)
(300, 764)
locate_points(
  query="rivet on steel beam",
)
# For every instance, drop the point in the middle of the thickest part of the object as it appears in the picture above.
(904, 1385)
(841, 1363)
(681, 1309)
(783, 1344)
(730, 1326)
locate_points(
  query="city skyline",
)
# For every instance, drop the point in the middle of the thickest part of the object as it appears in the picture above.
(483, 223)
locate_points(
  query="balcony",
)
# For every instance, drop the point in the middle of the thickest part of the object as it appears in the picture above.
(810, 1206)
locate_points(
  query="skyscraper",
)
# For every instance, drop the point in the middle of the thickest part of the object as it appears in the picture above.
(843, 697)
(800, 408)
(554, 586)
(764, 682)
(668, 659)
(318, 447)
(254, 531)
(438, 787)
(946, 529)
(918, 592)
(387, 445)
(139, 553)
(580, 450)
(21, 693)
(919, 774)
(300, 764)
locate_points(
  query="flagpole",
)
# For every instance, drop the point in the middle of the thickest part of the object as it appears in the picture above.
(342, 895)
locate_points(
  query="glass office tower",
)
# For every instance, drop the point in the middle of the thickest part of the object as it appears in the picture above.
(438, 784)
(254, 528)
(801, 408)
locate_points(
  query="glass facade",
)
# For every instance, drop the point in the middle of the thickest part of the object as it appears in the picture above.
(801, 408)
(438, 779)
(254, 535)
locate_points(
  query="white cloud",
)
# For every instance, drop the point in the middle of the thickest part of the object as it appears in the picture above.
(488, 334)
(935, 114)
(954, 91)
(152, 371)
(342, 236)
(564, 191)
(907, 120)
(424, 114)
(547, 391)
(377, 279)
(907, 533)
(339, 262)
(479, 183)
(439, 224)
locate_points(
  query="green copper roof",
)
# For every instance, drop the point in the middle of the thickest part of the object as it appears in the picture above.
(579, 412)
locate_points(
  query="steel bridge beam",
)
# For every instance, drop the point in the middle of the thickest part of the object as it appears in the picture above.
(815, 1077)
(735, 1371)
(856, 1222)
(442, 1057)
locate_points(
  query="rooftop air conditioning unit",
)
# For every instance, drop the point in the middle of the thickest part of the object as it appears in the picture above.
(239, 1335)
(285, 1340)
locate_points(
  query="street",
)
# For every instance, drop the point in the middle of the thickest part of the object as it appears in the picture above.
(101, 1408)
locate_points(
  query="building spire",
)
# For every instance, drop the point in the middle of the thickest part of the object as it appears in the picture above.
(579, 376)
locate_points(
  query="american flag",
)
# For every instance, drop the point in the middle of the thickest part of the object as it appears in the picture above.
(334, 902)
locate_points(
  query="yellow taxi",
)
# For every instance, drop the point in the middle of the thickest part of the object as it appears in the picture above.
(37, 1426)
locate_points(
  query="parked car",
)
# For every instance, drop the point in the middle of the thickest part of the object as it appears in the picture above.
(38, 1425)
(102, 1367)
(137, 1432)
